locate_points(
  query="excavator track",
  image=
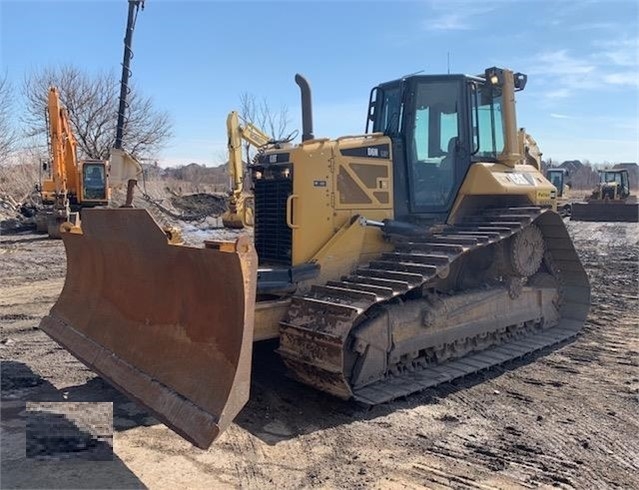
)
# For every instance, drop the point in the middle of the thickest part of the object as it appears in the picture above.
(317, 340)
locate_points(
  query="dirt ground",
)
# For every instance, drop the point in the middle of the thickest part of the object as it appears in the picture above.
(565, 419)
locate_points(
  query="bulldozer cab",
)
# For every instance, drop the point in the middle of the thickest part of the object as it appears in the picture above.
(617, 183)
(440, 125)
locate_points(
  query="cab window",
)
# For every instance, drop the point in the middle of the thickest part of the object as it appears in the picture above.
(433, 143)
(488, 123)
(94, 181)
(388, 115)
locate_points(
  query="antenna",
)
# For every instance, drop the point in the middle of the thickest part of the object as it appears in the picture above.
(415, 73)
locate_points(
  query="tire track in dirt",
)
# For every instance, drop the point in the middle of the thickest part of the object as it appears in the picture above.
(554, 456)
(567, 419)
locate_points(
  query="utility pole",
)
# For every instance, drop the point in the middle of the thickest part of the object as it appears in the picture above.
(134, 6)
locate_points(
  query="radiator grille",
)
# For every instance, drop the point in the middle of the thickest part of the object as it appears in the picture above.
(273, 237)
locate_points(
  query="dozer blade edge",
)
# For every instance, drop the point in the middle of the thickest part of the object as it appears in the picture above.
(170, 326)
(606, 211)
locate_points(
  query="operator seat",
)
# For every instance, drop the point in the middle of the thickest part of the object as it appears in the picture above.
(448, 162)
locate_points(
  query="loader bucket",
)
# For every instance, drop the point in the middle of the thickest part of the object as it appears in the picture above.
(612, 211)
(170, 326)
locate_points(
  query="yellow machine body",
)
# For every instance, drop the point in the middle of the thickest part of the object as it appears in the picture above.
(337, 189)
(610, 200)
(331, 216)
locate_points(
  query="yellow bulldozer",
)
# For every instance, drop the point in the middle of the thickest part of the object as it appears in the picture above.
(610, 200)
(426, 249)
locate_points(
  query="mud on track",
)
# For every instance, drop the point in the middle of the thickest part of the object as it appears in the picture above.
(566, 419)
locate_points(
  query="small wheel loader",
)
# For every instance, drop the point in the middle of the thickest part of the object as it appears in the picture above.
(426, 249)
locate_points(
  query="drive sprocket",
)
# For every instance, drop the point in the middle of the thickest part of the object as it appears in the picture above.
(527, 251)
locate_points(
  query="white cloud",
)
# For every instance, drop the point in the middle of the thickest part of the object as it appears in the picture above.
(560, 116)
(560, 93)
(448, 22)
(622, 52)
(563, 73)
(609, 65)
(626, 78)
(460, 15)
(560, 62)
(587, 26)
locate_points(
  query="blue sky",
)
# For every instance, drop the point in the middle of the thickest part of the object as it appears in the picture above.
(196, 58)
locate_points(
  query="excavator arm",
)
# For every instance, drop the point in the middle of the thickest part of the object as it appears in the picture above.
(64, 180)
(64, 165)
(239, 215)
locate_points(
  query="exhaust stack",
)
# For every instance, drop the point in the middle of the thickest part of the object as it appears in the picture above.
(307, 108)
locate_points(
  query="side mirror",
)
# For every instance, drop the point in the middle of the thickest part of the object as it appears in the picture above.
(520, 80)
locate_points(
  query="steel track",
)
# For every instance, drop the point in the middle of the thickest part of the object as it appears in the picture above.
(314, 338)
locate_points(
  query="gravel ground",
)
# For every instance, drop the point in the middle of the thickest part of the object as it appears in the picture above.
(566, 419)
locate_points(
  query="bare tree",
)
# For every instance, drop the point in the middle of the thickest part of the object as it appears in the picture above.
(92, 104)
(8, 133)
(261, 115)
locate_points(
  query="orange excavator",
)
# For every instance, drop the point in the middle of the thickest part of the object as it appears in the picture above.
(72, 184)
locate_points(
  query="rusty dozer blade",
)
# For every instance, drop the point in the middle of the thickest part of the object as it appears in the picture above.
(171, 326)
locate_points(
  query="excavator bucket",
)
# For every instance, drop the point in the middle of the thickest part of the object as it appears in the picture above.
(170, 326)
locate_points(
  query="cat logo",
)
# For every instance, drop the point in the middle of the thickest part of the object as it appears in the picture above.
(372, 152)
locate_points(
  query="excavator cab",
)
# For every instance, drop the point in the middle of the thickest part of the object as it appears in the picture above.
(94, 182)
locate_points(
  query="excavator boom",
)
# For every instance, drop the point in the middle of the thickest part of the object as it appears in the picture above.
(239, 214)
(63, 145)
